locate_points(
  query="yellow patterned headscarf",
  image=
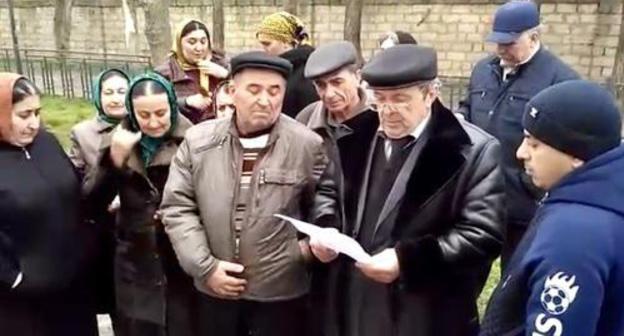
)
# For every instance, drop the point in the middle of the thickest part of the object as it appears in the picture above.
(284, 27)
(177, 52)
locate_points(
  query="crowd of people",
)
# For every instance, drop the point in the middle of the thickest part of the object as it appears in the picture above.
(161, 213)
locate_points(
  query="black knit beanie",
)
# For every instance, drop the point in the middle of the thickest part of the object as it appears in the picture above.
(577, 117)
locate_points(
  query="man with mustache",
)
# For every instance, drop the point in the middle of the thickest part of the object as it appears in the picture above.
(228, 179)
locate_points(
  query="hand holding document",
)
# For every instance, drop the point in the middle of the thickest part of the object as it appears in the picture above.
(330, 238)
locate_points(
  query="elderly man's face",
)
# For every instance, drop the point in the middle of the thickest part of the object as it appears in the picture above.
(338, 90)
(402, 110)
(258, 97)
(519, 50)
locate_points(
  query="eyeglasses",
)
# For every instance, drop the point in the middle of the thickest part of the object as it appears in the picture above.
(381, 107)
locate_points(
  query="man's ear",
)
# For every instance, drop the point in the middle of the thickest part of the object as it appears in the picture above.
(230, 88)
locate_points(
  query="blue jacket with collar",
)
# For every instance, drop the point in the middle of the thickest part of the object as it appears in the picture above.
(497, 107)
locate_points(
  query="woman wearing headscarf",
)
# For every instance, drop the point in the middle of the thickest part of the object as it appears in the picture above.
(153, 295)
(195, 70)
(283, 34)
(108, 95)
(43, 242)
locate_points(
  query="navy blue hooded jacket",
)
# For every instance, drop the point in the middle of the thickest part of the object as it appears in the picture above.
(567, 276)
(497, 106)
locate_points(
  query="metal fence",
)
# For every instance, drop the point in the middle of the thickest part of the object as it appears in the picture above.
(69, 74)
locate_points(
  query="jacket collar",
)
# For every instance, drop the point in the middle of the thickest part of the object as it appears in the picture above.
(320, 116)
(102, 126)
(273, 134)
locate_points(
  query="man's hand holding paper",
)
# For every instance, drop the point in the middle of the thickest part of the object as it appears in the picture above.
(329, 239)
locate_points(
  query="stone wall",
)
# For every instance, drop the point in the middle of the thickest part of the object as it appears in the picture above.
(583, 32)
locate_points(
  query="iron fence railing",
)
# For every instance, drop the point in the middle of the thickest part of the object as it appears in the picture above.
(69, 74)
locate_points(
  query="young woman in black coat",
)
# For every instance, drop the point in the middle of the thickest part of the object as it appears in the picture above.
(43, 242)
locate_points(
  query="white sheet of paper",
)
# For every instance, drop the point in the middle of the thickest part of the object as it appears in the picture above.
(330, 238)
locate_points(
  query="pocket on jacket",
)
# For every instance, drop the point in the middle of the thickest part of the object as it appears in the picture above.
(279, 188)
(280, 176)
(480, 106)
(516, 102)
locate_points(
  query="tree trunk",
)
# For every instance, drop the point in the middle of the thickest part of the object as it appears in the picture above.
(618, 68)
(290, 6)
(218, 25)
(158, 29)
(353, 24)
(62, 25)
(131, 28)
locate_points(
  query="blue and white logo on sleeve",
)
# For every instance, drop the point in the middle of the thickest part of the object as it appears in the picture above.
(559, 293)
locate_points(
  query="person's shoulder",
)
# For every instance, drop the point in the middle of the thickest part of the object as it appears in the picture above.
(485, 61)
(574, 229)
(207, 130)
(48, 139)
(164, 68)
(306, 113)
(87, 126)
(560, 69)
(299, 132)
(476, 134)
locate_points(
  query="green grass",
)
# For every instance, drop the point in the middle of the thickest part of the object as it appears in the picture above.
(60, 114)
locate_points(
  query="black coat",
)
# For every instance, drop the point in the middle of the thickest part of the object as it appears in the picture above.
(43, 237)
(443, 215)
(300, 92)
(149, 283)
(348, 157)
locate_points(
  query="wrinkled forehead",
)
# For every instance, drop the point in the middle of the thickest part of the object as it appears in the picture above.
(258, 77)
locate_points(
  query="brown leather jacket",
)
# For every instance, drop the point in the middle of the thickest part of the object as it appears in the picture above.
(292, 178)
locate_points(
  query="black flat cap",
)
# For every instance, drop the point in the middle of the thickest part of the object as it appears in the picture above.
(260, 60)
(330, 57)
(401, 66)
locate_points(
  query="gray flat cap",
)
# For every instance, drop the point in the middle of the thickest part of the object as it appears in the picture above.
(401, 66)
(329, 58)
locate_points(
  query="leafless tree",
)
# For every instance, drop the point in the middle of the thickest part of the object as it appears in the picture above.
(218, 24)
(158, 29)
(290, 6)
(353, 24)
(62, 24)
